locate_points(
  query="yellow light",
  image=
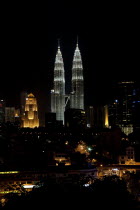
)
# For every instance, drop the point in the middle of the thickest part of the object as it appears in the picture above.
(10, 191)
(9, 172)
(83, 112)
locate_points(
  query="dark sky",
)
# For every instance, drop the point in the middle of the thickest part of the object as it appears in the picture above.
(108, 41)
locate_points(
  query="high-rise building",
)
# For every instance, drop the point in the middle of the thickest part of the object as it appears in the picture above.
(58, 92)
(31, 112)
(50, 120)
(10, 114)
(2, 111)
(75, 118)
(77, 94)
(90, 116)
(123, 110)
(23, 96)
(97, 116)
(106, 123)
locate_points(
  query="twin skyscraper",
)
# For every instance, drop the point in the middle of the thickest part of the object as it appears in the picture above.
(58, 96)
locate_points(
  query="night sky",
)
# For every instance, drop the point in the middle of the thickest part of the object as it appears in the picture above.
(108, 40)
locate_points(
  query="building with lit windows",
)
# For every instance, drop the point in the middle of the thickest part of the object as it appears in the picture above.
(31, 112)
(58, 97)
(97, 116)
(90, 116)
(128, 158)
(75, 118)
(124, 109)
(2, 111)
(58, 92)
(9, 114)
(77, 94)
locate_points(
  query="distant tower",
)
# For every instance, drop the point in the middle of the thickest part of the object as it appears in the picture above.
(90, 116)
(77, 95)
(2, 111)
(124, 108)
(31, 112)
(10, 114)
(58, 93)
(106, 124)
(23, 96)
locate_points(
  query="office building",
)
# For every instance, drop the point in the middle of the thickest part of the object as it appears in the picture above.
(75, 118)
(31, 112)
(124, 109)
(2, 111)
(97, 116)
(10, 114)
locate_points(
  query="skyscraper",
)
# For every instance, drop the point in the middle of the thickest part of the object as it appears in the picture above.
(124, 109)
(77, 94)
(58, 92)
(31, 112)
(10, 114)
(2, 111)
(97, 116)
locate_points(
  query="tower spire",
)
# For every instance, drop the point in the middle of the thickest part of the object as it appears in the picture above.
(58, 92)
(58, 43)
(77, 41)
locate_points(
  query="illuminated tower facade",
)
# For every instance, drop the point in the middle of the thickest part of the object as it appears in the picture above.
(58, 93)
(31, 112)
(77, 95)
(106, 124)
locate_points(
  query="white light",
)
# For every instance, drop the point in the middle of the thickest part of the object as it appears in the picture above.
(88, 126)
(28, 186)
(86, 185)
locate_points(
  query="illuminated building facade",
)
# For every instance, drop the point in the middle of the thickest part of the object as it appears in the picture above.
(128, 158)
(106, 124)
(58, 92)
(31, 112)
(77, 95)
(124, 109)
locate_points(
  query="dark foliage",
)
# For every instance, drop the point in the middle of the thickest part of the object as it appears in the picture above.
(110, 193)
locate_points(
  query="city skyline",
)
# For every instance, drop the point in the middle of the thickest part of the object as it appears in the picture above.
(87, 139)
(108, 42)
(97, 80)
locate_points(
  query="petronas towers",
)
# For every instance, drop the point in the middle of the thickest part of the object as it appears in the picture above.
(58, 93)
(58, 96)
(77, 94)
